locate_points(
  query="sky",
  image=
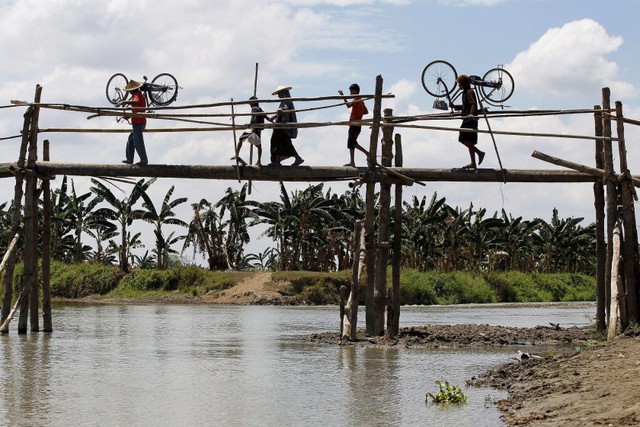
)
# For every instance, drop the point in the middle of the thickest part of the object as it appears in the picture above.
(561, 54)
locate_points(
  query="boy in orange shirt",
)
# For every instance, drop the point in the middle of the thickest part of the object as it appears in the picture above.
(358, 109)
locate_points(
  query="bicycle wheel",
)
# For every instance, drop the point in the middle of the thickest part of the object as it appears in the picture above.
(165, 89)
(500, 85)
(439, 78)
(115, 88)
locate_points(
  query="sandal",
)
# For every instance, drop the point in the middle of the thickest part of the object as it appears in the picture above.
(298, 162)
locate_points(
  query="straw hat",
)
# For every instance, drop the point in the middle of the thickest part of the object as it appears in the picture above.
(132, 85)
(280, 88)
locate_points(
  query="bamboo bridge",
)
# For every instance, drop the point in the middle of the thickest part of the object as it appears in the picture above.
(617, 262)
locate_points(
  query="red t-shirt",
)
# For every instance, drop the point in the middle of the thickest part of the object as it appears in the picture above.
(358, 109)
(139, 106)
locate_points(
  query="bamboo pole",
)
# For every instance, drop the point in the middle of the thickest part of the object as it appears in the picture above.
(369, 224)
(4, 328)
(13, 244)
(29, 305)
(382, 248)
(255, 91)
(630, 240)
(47, 320)
(350, 320)
(16, 220)
(306, 174)
(615, 280)
(598, 173)
(89, 109)
(611, 194)
(601, 245)
(397, 246)
(495, 145)
(235, 141)
(497, 132)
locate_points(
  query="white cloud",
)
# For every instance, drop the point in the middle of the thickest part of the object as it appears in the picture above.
(570, 61)
(471, 2)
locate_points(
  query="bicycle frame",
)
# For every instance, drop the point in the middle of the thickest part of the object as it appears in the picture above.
(494, 88)
(457, 93)
(161, 91)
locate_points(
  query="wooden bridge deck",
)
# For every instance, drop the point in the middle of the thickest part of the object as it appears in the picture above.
(299, 173)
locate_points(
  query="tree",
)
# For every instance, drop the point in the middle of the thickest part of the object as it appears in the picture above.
(166, 216)
(123, 212)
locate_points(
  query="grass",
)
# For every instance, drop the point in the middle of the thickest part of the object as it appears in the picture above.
(422, 288)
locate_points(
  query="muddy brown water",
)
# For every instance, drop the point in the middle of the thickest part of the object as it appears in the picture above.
(179, 365)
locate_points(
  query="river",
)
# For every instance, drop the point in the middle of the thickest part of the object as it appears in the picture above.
(210, 365)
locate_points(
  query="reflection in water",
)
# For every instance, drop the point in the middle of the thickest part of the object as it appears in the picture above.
(226, 365)
(368, 371)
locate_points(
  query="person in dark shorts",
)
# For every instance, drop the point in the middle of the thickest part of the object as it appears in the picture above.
(469, 113)
(254, 134)
(358, 110)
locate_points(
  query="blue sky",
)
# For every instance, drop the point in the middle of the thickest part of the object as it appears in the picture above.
(560, 52)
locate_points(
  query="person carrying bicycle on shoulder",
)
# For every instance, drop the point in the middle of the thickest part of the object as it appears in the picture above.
(136, 137)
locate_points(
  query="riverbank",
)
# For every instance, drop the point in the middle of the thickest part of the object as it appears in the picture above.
(592, 383)
(596, 386)
(192, 284)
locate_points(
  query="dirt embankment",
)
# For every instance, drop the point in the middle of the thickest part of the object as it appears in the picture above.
(597, 386)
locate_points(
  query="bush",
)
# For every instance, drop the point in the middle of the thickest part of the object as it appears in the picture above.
(321, 294)
(526, 288)
(416, 288)
(151, 280)
(81, 280)
(501, 286)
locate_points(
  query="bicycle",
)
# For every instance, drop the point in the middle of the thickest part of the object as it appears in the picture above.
(162, 90)
(439, 80)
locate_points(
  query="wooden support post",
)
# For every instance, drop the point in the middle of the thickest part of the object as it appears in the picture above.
(397, 243)
(13, 244)
(615, 281)
(382, 249)
(610, 188)
(343, 304)
(255, 91)
(16, 221)
(47, 321)
(630, 239)
(350, 320)
(29, 306)
(601, 245)
(369, 223)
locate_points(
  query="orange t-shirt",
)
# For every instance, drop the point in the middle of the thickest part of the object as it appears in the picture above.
(358, 109)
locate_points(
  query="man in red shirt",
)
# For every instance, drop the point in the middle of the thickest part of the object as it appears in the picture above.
(358, 109)
(136, 137)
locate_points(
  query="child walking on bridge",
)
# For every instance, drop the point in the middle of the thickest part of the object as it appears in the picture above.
(358, 110)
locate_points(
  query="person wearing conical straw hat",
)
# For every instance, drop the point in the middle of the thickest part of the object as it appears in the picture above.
(135, 142)
(469, 113)
(281, 145)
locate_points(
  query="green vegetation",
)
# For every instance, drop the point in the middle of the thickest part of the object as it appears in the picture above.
(421, 288)
(447, 394)
(308, 230)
